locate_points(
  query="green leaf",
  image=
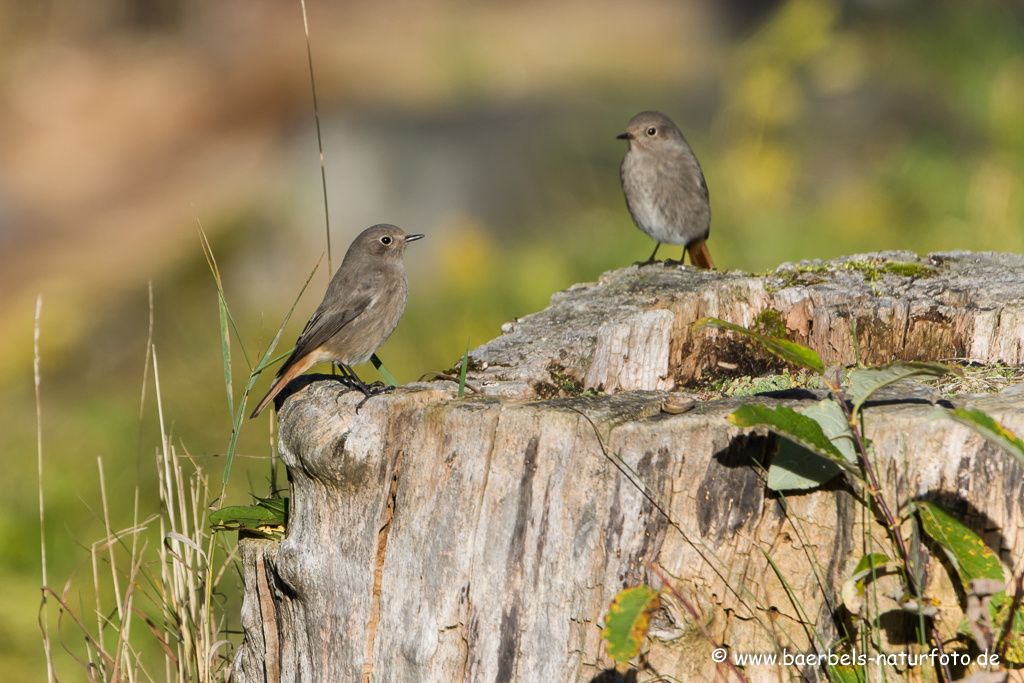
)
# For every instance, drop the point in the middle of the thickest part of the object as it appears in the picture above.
(790, 424)
(279, 506)
(788, 351)
(981, 422)
(627, 620)
(830, 417)
(388, 378)
(867, 563)
(462, 372)
(795, 468)
(866, 381)
(968, 554)
(236, 517)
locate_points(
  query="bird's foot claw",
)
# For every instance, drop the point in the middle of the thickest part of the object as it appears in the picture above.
(375, 389)
(648, 262)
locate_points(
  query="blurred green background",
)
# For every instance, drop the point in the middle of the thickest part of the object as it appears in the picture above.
(824, 128)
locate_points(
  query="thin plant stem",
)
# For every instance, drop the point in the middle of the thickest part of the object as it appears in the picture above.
(96, 590)
(135, 554)
(110, 534)
(39, 464)
(893, 529)
(319, 137)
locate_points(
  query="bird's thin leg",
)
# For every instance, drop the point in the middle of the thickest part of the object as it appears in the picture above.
(650, 260)
(377, 387)
(344, 375)
(351, 379)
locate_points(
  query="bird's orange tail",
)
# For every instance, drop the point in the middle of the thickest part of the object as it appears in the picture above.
(282, 381)
(699, 255)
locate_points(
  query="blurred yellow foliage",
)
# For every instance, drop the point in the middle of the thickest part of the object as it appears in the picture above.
(842, 66)
(1006, 102)
(769, 96)
(994, 197)
(757, 174)
(799, 29)
(464, 255)
(858, 208)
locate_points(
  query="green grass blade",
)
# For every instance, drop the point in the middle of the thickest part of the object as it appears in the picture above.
(788, 351)
(462, 372)
(267, 363)
(791, 594)
(229, 457)
(225, 349)
(388, 378)
(847, 673)
(212, 263)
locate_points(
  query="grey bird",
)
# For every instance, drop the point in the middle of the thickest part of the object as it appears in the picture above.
(665, 190)
(363, 304)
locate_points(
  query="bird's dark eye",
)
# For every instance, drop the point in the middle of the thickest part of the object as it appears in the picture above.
(385, 240)
(652, 131)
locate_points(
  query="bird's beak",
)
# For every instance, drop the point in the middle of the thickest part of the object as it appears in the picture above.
(413, 238)
(624, 136)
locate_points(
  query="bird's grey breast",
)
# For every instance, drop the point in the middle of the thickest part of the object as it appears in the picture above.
(666, 194)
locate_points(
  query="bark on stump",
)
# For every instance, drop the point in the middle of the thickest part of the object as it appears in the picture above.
(482, 539)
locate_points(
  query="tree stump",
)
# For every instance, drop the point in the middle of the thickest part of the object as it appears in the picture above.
(482, 539)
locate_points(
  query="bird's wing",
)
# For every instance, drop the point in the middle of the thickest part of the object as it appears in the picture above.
(322, 326)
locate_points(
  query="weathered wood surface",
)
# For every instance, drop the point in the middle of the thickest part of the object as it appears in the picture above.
(482, 539)
(632, 328)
